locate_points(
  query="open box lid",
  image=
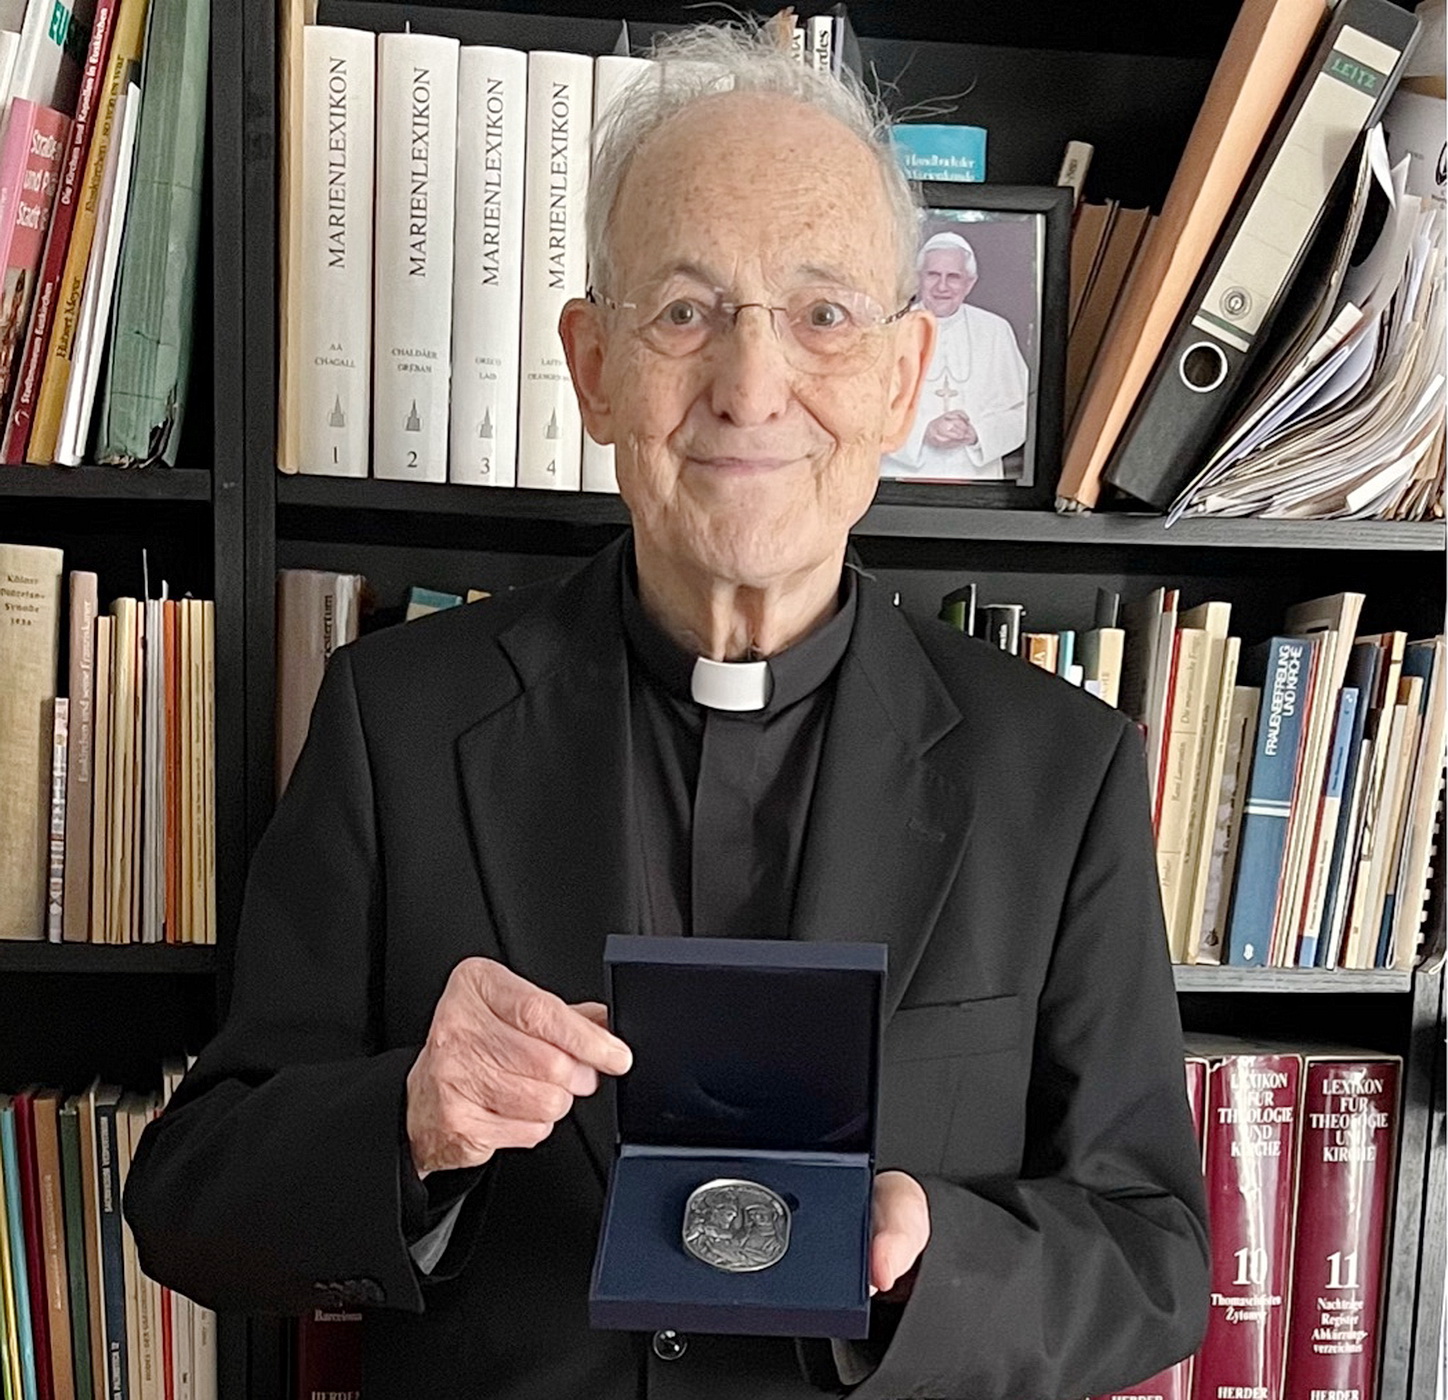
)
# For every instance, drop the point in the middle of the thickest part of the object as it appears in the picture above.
(753, 1044)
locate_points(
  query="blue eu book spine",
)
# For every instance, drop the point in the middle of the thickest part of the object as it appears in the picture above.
(1347, 708)
(1362, 675)
(1065, 652)
(927, 152)
(113, 1266)
(14, 1223)
(1262, 841)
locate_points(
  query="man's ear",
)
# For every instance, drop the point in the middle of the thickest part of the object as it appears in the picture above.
(580, 328)
(914, 344)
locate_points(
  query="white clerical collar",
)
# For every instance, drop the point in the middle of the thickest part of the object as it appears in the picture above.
(730, 685)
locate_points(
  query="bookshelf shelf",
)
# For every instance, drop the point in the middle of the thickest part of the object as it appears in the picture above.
(89, 957)
(900, 511)
(1294, 980)
(108, 483)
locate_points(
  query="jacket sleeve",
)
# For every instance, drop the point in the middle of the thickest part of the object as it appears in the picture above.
(271, 1183)
(1088, 1271)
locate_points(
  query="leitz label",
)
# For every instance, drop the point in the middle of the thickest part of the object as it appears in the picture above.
(1355, 74)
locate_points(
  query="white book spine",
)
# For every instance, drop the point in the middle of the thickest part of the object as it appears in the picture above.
(488, 266)
(417, 84)
(819, 40)
(331, 336)
(612, 73)
(560, 118)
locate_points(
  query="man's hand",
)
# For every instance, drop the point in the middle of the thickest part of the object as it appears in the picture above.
(900, 1230)
(503, 1062)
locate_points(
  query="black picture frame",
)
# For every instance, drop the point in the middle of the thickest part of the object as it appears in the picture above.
(1053, 205)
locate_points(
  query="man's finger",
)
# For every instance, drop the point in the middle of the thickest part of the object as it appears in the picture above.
(596, 1011)
(547, 1017)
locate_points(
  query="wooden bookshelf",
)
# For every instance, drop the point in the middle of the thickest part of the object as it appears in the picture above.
(132, 960)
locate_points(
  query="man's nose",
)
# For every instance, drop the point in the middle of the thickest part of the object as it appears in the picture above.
(752, 379)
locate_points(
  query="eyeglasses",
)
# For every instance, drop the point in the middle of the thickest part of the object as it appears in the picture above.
(821, 329)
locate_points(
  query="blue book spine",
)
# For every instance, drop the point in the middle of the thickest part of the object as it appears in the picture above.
(930, 152)
(19, 1277)
(113, 1264)
(1262, 841)
(1362, 676)
(1065, 652)
(1347, 708)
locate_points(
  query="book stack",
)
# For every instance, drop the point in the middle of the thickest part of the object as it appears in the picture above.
(80, 1317)
(1275, 347)
(433, 208)
(108, 787)
(100, 208)
(1298, 1152)
(1296, 785)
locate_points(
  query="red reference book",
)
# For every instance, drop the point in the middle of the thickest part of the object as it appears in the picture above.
(1253, 1108)
(1345, 1190)
(329, 1355)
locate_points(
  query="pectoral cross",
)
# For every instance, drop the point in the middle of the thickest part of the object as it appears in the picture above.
(945, 393)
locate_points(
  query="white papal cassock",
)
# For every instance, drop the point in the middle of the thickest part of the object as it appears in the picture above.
(977, 369)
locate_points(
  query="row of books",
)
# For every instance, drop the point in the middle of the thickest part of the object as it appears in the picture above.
(80, 1319)
(110, 783)
(100, 211)
(1296, 785)
(1298, 1150)
(435, 226)
(1273, 344)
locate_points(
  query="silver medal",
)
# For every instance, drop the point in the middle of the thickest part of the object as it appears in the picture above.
(737, 1226)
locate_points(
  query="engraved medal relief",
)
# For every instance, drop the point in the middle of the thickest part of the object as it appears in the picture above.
(736, 1226)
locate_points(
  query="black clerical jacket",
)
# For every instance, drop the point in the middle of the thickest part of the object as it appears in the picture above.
(463, 792)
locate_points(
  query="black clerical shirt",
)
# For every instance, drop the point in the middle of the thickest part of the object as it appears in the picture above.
(721, 799)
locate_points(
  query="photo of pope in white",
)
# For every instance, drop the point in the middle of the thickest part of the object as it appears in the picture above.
(973, 423)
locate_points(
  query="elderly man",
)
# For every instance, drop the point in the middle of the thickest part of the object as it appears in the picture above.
(972, 410)
(715, 727)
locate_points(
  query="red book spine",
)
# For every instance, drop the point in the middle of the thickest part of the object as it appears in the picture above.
(34, 1240)
(1349, 1136)
(1175, 1383)
(72, 174)
(168, 1371)
(329, 1355)
(1251, 1147)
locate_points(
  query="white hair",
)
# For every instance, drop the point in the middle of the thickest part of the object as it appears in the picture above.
(706, 59)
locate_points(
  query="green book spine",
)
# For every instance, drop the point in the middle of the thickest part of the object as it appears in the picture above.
(73, 1191)
(150, 353)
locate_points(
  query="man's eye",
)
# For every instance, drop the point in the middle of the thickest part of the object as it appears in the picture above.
(826, 316)
(681, 315)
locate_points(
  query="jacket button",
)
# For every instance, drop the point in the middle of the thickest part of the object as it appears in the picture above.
(670, 1345)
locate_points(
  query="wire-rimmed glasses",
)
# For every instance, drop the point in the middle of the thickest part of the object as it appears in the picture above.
(822, 329)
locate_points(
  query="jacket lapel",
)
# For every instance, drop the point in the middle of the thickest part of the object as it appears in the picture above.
(546, 778)
(887, 829)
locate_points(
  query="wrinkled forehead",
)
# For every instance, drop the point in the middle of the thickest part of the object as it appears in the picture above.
(756, 190)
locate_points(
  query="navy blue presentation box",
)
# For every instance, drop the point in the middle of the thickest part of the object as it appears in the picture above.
(756, 1059)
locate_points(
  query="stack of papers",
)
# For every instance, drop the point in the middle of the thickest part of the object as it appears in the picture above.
(1348, 421)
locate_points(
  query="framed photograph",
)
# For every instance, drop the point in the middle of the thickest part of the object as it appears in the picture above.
(993, 264)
